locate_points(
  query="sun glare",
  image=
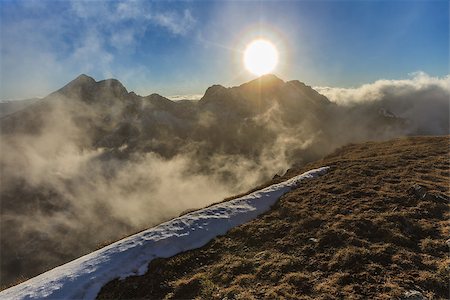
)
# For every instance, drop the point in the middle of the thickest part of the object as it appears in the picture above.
(260, 57)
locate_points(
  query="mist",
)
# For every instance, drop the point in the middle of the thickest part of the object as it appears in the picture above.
(62, 198)
(422, 100)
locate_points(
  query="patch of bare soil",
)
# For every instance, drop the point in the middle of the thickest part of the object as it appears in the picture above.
(374, 227)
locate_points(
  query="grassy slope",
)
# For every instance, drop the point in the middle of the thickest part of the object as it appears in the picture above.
(359, 231)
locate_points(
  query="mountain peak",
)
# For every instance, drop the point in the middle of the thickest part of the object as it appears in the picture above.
(87, 89)
(84, 77)
(308, 91)
(267, 84)
(114, 85)
(267, 80)
(213, 91)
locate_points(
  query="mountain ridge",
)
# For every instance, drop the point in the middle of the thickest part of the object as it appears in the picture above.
(84, 81)
(106, 106)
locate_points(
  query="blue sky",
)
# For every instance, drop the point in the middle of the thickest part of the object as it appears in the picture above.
(175, 47)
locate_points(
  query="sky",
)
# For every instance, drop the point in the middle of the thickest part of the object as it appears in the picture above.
(183, 47)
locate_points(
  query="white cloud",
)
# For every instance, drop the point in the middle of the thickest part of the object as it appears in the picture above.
(185, 97)
(423, 100)
(383, 88)
(90, 55)
(124, 39)
(176, 23)
(131, 9)
(142, 13)
(98, 10)
(44, 51)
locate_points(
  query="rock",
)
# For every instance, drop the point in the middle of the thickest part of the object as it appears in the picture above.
(413, 295)
(421, 192)
(263, 255)
(436, 198)
(418, 191)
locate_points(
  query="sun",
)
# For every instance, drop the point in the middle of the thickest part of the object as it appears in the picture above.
(260, 57)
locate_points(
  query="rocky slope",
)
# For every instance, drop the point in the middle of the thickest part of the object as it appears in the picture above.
(374, 227)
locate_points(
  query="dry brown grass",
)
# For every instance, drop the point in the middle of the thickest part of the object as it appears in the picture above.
(359, 232)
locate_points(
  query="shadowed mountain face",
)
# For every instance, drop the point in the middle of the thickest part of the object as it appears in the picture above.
(92, 162)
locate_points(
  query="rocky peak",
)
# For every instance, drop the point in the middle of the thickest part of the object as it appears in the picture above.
(214, 94)
(159, 102)
(86, 89)
(213, 91)
(113, 85)
(307, 92)
(265, 83)
(262, 93)
(83, 77)
(81, 81)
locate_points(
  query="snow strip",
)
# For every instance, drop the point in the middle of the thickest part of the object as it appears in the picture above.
(84, 277)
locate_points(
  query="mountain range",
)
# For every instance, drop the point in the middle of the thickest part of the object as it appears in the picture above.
(229, 120)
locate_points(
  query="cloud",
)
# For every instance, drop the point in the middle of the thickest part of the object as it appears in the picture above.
(142, 14)
(185, 97)
(79, 196)
(90, 54)
(423, 100)
(98, 11)
(176, 23)
(383, 88)
(44, 50)
(123, 39)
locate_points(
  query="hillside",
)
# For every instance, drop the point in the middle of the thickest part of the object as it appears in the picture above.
(93, 153)
(374, 227)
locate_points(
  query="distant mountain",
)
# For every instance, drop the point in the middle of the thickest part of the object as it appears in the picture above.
(86, 89)
(8, 107)
(259, 95)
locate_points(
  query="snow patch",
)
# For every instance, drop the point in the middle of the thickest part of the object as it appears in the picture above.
(84, 277)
